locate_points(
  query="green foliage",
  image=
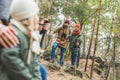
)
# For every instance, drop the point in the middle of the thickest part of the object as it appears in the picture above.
(78, 11)
(84, 12)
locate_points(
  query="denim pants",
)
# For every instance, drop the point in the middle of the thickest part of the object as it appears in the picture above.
(62, 51)
(74, 57)
(43, 72)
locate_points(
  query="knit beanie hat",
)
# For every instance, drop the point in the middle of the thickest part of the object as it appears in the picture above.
(67, 21)
(77, 25)
(23, 9)
(76, 32)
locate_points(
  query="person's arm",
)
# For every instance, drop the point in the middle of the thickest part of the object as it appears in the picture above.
(78, 41)
(15, 67)
(42, 21)
(8, 36)
(51, 34)
(54, 31)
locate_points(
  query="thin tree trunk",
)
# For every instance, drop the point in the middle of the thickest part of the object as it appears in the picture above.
(84, 43)
(108, 47)
(89, 50)
(79, 53)
(106, 69)
(112, 62)
(114, 58)
(91, 42)
(107, 73)
(96, 40)
(105, 57)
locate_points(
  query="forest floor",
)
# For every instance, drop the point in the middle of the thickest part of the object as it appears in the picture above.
(63, 74)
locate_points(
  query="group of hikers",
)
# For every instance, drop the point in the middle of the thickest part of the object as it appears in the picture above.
(21, 40)
(64, 36)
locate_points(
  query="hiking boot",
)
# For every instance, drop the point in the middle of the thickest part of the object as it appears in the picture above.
(73, 66)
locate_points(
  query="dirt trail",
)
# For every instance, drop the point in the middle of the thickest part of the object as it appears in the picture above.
(58, 75)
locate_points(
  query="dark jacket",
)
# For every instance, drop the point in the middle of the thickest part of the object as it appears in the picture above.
(13, 61)
(73, 39)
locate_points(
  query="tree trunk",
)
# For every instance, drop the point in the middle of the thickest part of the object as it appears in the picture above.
(107, 69)
(89, 50)
(79, 53)
(112, 62)
(109, 41)
(96, 40)
(114, 52)
(84, 42)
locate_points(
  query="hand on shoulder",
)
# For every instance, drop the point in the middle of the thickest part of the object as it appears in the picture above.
(8, 36)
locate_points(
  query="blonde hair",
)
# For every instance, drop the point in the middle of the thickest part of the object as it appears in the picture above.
(29, 24)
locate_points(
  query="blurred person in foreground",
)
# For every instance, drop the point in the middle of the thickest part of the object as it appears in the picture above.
(20, 62)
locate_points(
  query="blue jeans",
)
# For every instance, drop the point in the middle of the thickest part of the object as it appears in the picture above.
(74, 57)
(53, 53)
(43, 72)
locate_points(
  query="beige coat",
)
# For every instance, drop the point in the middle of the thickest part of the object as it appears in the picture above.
(62, 41)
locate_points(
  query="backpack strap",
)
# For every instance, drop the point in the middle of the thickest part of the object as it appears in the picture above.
(73, 40)
(59, 29)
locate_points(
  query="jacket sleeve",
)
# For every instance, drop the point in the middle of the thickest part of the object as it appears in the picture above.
(79, 40)
(56, 30)
(37, 72)
(15, 66)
